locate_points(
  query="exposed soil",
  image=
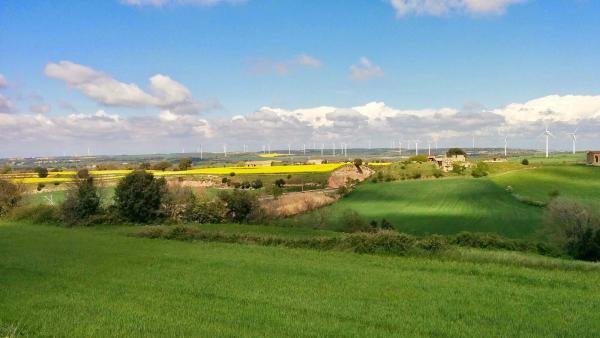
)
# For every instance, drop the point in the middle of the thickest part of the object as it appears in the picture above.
(339, 177)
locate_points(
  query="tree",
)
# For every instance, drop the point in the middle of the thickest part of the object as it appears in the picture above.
(257, 184)
(480, 170)
(357, 163)
(573, 228)
(185, 163)
(280, 182)
(81, 202)
(5, 169)
(455, 151)
(83, 173)
(138, 196)
(10, 195)
(240, 204)
(162, 165)
(41, 172)
(525, 162)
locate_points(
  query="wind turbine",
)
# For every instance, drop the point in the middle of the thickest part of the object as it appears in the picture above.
(547, 133)
(225, 150)
(416, 147)
(428, 148)
(574, 139)
(505, 145)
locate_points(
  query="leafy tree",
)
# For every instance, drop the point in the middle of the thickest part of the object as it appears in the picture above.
(5, 169)
(280, 182)
(10, 195)
(357, 163)
(83, 173)
(418, 158)
(573, 228)
(240, 204)
(458, 168)
(257, 184)
(138, 196)
(185, 163)
(81, 202)
(41, 172)
(162, 165)
(455, 151)
(232, 174)
(481, 169)
(525, 161)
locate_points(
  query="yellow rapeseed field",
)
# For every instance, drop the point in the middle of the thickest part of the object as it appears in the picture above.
(380, 164)
(66, 176)
(272, 155)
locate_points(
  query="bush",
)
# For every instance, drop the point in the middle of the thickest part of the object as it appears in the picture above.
(240, 205)
(82, 202)
(257, 184)
(280, 182)
(5, 169)
(83, 173)
(10, 195)
(418, 158)
(139, 195)
(437, 172)
(455, 151)
(352, 221)
(225, 180)
(458, 168)
(40, 186)
(41, 172)
(573, 228)
(210, 212)
(481, 169)
(36, 214)
(380, 242)
(433, 243)
(179, 203)
(185, 163)
(342, 191)
(245, 185)
(525, 161)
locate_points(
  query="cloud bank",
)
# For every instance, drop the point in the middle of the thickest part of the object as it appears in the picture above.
(445, 7)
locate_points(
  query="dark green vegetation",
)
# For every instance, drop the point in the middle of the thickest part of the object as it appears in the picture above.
(442, 206)
(139, 195)
(100, 282)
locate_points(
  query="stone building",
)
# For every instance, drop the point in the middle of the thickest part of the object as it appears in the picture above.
(593, 158)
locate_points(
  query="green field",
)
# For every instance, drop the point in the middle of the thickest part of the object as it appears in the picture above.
(572, 181)
(442, 206)
(99, 282)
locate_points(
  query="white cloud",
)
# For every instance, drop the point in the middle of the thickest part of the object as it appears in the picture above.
(267, 66)
(553, 108)
(159, 3)
(365, 70)
(6, 105)
(102, 88)
(443, 7)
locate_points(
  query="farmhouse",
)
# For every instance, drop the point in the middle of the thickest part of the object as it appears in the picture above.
(258, 163)
(446, 162)
(593, 158)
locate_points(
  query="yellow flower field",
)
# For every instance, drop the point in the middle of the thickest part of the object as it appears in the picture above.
(67, 176)
(272, 155)
(380, 164)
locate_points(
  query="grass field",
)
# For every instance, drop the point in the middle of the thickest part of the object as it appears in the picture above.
(572, 181)
(98, 282)
(442, 206)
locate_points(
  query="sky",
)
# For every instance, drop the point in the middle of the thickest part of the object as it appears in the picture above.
(156, 76)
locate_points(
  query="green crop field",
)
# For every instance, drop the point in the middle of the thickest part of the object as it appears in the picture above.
(572, 181)
(442, 206)
(99, 282)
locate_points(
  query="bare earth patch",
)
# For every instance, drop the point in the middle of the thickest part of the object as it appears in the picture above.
(297, 202)
(339, 177)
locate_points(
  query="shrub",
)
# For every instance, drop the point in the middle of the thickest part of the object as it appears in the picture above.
(380, 242)
(574, 228)
(418, 158)
(525, 161)
(5, 169)
(36, 214)
(416, 175)
(458, 168)
(245, 185)
(185, 163)
(209, 212)
(385, 224)
(232, 174)
(162, 165)
(139, 195)
(240, 205)
(179, 203)
(352, 221)
(41, 172)
(224, 180)
(481, 169)
(357, 163)
(10, 195)
(455, 151)
(83, 173)
(343, 190)
(437, 172)
(433, 243)
(40, 186)
(257, 184)
(280, 182)
(82, 202)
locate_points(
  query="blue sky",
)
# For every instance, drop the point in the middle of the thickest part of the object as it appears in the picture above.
(245, 55)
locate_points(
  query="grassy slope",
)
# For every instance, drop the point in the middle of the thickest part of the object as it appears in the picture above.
(574, 181)
(441, 206)
(98, 282)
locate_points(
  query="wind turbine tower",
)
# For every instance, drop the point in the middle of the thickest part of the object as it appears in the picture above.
(574, 139)
(505, 146)
(548, 134)
(416, 147)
